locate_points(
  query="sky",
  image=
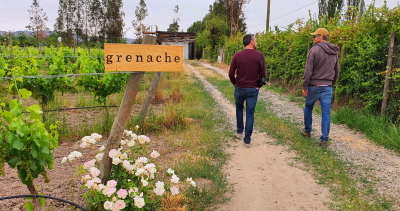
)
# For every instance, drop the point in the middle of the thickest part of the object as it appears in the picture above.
(14, 15)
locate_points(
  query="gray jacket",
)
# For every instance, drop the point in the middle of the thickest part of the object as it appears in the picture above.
(322, 65)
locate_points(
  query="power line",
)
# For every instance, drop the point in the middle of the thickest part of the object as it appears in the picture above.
(286, 14)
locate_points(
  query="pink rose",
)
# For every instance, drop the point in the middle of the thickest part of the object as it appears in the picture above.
(110, 191)
(174, 190)
(120, 204)
(111, 184)
(122, 193)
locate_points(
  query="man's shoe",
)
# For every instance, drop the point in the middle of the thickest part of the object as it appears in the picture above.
(305, 133)
(247, 145)
(239, 135)
(323, 144)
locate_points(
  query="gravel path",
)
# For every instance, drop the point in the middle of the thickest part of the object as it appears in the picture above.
(370, 162)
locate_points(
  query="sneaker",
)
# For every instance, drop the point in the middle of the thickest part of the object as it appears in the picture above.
(305, 133)
(323, 144)
(239, 135)
(247, 145)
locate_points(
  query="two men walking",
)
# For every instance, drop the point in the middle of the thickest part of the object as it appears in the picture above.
(321, 72)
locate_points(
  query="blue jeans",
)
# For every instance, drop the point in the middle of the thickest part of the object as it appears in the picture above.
(324, 95)
(250, 95)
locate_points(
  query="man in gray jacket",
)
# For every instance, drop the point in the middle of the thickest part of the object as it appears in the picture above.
(321, 72)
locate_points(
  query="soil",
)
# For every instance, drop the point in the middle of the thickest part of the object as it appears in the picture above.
(264, 177)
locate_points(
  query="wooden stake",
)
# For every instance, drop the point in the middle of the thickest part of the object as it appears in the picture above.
(124, 113)
(151, 93)
(387, 79)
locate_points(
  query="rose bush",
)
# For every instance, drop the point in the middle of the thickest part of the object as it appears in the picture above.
(133, 183)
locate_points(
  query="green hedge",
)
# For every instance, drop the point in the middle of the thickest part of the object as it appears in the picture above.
(364, 44)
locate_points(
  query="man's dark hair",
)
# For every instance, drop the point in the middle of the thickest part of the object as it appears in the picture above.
(325, 38)
(247, 38)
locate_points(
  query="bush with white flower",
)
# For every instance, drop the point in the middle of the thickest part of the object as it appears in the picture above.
(133, 183)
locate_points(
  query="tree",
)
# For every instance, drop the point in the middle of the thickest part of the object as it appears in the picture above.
(113, 24)
(329, 8)
(140, 13)
(354, 8)
(38, 20)
(65, 21)
(236, 14)
(174, 26)
(96, 18)
(196, 27)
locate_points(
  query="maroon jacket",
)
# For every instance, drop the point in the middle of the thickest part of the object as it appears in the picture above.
(246, 66)
(322, 65)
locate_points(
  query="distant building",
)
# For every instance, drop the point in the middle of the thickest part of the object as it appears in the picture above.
(185, 39)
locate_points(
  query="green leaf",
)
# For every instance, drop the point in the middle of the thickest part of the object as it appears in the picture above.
(16, 141)
(33, 166)
(8, 116)
(24, 130)
(14, 161)
(45, 150)
(29, 206)
(15, 107)
(25, 93)
(42, 201)
(34, 151)
(35, 111)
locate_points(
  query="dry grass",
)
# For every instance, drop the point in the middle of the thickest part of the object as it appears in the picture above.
(173, 203)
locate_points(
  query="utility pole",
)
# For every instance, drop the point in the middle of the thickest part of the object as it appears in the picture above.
(268, 11)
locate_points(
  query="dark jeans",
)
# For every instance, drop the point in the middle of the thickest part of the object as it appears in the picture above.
(250, 95)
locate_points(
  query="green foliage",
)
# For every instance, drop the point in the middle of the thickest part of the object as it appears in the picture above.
(101, 86)
(196, 27)
(364, 45)
(26, 143)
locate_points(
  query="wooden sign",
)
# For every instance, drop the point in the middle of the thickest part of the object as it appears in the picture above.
(146, 58)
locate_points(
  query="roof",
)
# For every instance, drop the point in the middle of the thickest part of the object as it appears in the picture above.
(163, 36)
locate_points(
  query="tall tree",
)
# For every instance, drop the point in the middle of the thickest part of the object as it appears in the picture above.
(174, 26)
(65, 21)
(96, 18)
(236, 15)
(329, 8)
(140, 13)
(38, 20)
(196, 27)
(354, 8)
(113, 25)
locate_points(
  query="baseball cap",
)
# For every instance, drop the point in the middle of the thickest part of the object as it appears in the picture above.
(321, 31)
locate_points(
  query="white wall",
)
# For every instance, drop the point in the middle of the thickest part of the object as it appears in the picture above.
(185, 47)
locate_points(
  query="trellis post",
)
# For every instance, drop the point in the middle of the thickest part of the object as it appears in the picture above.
(124, 113)
(388, 71)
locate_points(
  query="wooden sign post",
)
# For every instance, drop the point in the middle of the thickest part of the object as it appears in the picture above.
(135, 58)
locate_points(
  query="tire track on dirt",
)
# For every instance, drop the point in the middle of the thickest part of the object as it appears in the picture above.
(368, 162)
(262, 176)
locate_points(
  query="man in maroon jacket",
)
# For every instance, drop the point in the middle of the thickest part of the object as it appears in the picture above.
(321, 72)
(246, 68)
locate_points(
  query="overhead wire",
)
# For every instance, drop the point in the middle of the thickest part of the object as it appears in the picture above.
(286, 14)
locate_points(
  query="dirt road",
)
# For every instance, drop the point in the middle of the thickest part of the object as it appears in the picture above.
(263, 176)
(266, 177)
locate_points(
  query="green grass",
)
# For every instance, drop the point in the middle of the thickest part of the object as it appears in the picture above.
(348, 193)
(194, 131)
(378, 129)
